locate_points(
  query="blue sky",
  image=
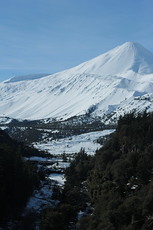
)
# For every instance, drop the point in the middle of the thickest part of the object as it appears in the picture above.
(46, 36)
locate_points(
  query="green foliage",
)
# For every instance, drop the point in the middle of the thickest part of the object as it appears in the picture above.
(58, 218)
(76, 175)
(120, 185)
(79, 169)
(18, 178)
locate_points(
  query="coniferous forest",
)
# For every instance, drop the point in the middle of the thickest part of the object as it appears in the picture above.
(113, 189)
(117, 182)
(121, 182)
(18, 178)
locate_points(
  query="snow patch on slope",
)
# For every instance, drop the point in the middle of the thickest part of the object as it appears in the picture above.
(136, 104)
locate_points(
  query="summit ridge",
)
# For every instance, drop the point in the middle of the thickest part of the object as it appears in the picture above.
(102, 85)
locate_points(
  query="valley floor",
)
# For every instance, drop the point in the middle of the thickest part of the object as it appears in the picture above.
(73, 144)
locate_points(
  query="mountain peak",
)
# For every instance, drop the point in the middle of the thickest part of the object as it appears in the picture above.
(134, 47)
(128, 56)
(140, 59)
(100, 86)
(131, 44)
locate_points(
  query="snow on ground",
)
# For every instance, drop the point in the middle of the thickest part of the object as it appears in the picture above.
(57, 177)
(35, 158)
(73, 144)
(3, 127)
(59, 165)
(41, 199)
(5, 120)
(63, 165)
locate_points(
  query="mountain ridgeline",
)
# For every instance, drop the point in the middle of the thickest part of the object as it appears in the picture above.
(114, 83)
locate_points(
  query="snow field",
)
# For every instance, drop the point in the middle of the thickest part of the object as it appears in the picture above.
(105, 82)
(73, 144)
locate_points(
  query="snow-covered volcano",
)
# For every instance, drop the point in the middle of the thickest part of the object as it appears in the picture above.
(129, 56)
(114, 80)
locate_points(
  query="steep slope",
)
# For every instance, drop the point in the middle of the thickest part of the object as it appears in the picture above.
(129, 56)
(98, 86)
